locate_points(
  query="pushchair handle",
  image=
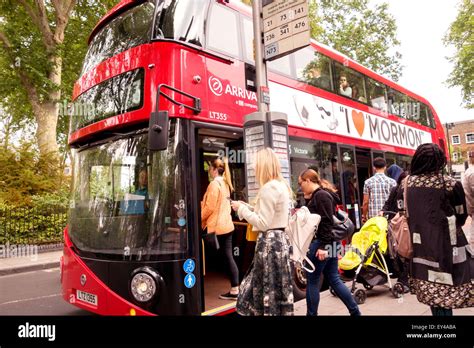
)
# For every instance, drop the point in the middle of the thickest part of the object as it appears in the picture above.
(387, 213)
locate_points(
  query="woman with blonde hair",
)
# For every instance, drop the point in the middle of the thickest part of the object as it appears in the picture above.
(216, 217)
(267, 289)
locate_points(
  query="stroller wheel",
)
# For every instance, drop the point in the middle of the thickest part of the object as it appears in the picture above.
(398, 290)
(368, 287)
(331, 290)
(360, 296)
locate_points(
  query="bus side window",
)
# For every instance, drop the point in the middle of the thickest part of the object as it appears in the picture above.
(376, 94)
(281, 65)
(431, 121)
(248, 44)
(397, 103)
(223, 20)
(313, 68)
(350, 83)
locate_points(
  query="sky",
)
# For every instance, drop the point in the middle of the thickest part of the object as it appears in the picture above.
(422, 24)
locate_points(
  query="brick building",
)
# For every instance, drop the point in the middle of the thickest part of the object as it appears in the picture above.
(461, 139)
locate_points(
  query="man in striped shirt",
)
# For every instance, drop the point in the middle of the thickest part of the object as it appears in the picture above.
(376, 190)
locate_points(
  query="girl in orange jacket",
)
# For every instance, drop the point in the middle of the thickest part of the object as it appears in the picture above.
(216, 217)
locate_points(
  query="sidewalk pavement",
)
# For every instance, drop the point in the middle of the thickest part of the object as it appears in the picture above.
(30, 263)
(380, 300)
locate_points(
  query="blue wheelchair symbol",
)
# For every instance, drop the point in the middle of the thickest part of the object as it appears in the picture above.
(189, 266)
(189, 280)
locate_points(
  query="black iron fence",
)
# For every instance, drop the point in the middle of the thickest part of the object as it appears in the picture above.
(36, 226)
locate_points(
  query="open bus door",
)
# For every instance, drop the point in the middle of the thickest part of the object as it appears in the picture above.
(211, 142)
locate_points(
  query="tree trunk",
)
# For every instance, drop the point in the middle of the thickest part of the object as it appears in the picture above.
(47, 120)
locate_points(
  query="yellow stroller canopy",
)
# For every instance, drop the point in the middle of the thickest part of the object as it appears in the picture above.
(374, 230)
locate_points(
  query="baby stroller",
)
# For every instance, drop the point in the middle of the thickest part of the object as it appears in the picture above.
(366, 255)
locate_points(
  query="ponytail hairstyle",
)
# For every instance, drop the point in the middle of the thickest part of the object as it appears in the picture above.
(222, 166)
(314, 177)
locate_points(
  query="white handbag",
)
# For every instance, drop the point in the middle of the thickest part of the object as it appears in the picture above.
(302, 226)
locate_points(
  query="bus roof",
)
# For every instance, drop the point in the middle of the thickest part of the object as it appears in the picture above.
(124, 5)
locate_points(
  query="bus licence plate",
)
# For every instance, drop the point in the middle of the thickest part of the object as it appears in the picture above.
(86, 297)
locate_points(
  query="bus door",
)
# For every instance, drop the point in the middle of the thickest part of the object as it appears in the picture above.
(211, 142)
(349, 183)
(376, 154)
(364, 170)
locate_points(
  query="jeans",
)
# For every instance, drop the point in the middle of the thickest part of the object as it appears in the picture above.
(225, 241)
(404, 267)
(441, 312)
(329, 268)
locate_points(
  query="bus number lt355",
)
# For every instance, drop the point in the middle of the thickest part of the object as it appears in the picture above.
(218, 116)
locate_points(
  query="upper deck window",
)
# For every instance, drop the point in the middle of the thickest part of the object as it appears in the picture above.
(376, 94)
(223, 30)
(118, 95)
(397, 103)
(181, 20)
(350, 83)
(128, 30)
(247, 29)
(313, 68)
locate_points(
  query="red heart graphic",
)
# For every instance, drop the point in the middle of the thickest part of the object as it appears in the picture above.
(359, 122)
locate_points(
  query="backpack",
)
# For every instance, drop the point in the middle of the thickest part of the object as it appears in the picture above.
(302, 226)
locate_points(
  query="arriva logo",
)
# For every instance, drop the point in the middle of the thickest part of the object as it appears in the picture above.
(216, 86)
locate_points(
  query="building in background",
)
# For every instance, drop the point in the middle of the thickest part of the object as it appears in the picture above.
(461, 140)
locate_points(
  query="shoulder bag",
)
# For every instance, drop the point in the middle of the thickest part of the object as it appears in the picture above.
(402, 243)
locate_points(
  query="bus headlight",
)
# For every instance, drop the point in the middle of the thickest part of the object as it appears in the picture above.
(144, 284)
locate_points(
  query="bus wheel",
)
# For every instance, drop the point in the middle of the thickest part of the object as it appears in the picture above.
(299, 282)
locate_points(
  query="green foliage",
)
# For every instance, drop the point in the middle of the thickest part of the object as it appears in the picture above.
(26, 225)
(461, 36)
(366, 35)
(30, 56)
(24, 175)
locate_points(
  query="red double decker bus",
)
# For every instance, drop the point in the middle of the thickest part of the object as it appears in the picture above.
(133, 242)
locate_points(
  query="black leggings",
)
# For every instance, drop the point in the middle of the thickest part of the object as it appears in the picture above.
(225, 242)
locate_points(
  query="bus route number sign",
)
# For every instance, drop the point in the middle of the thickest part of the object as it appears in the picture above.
(285, 27)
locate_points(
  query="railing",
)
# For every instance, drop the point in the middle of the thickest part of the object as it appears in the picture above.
(33, 226)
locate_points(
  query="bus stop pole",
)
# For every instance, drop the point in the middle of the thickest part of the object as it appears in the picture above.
(260, 65)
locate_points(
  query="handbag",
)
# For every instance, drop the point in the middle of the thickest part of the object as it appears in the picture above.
(211, 240)
(402, 243)
(343, 226)
(302, 226)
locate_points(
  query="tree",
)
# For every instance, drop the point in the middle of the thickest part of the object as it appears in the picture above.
(461, 36)
(364, 34)
(367, 35)
(41, 45)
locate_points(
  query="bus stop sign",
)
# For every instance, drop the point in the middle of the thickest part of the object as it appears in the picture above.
(285, 27)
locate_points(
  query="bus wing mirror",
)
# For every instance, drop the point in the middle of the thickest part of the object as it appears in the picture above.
(158, 131)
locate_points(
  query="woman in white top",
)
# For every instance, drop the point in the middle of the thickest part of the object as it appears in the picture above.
(344, 87)
(267, 289)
